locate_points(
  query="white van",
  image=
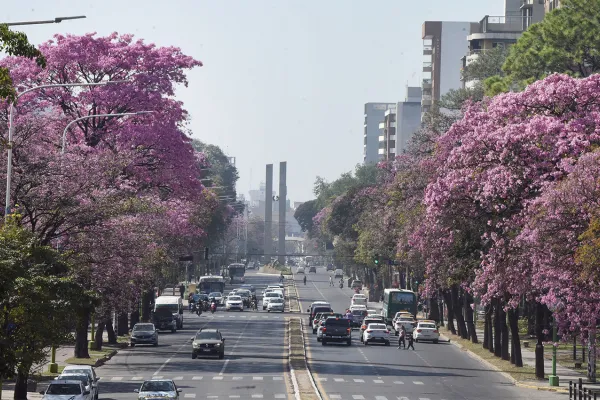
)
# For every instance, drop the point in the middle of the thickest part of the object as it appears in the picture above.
(359, 300)
(339, 273)
(173, 304)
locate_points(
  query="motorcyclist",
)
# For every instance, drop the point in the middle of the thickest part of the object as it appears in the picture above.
(191, 301)
(341, 283)
(254, 301)
(213, 305)
(331, 281)
(281, 278)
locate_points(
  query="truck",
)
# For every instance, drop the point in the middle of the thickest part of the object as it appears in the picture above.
(165, 306)
(336, 330)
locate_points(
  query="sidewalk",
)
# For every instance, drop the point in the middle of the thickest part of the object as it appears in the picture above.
(528, 354)
(9, 395)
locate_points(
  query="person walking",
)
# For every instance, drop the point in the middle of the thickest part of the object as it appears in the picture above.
(401, 337)
(410, 341)
(331, 281)
(181, 290)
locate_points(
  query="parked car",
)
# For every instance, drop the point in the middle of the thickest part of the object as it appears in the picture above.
(338, 273)
(356, 284)
(208, 342)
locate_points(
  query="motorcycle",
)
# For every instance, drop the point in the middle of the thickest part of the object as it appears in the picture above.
(193, 307)
(341, 285)
(213, 308)
(254, 305)
(198, 309)
(205, 305)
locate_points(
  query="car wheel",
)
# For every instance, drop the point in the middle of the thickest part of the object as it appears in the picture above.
(366, 342)
(268, 310)
(173, 330)
(349, 342)
(318, 339)
(314, 331)
(221, 356)
(435, 341)
(387, 343)
(323, 342)
(132, 344)
(241, 309)
(194, 355)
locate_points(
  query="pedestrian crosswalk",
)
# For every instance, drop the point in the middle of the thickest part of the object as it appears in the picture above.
(334, 396)
(237, 396)
(379, 381)
(195, 378)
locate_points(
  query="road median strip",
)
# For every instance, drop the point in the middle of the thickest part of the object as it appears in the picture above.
(304, 385)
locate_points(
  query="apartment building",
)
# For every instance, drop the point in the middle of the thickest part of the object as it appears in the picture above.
(551, 5)
(399, 124)
(501, 31)
(444, 42)
(374, 115)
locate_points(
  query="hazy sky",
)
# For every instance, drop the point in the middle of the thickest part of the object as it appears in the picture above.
(282, 80)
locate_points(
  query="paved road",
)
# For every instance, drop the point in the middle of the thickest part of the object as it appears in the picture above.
(431, 372)
(255, 364)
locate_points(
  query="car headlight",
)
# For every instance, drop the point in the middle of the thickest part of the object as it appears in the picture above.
(196, 345)
(218, 345)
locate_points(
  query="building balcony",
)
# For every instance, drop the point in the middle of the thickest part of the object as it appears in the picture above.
(426, 97)
(426, 102)
(427, 67)
(500, 24)
(427, 50)
(426, 84)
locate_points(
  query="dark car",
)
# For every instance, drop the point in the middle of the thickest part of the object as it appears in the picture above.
(370, 320)
(337, 330)
(143, 333)
(312, 269)
(208, 342)
(248, 287)
(163, 319)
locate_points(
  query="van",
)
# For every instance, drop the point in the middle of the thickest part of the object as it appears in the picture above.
(317, 307)
(173, 304)
(339, 273)
(359, 300)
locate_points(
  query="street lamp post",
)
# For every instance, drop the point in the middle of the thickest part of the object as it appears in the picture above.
(553, 379)
(11, 129)
(64, 135)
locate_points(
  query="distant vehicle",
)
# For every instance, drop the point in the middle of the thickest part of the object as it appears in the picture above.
(174, 304)
(158, 388)
(312, 269)
(62, 389)
(216, 296)
(85, 369)
(405, 321)
(248, 287)
(395, 300)
(369, 320)
(330, 267)
(308, 260)
(211, 283)
(359, 300)
(207, 342)
(356, 284)
(300, 270)
(143, 333)
(318, 307)
(339, 273)
(236, 272)
(270, 296)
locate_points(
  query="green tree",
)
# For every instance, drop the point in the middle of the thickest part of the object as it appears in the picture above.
(38, 299)
(221, 171)
(566, 41)
(15, 44)
(304, 215)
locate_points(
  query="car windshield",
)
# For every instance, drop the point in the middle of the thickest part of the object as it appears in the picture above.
(427, 326)
(215, 294)
(208, 336)
(272, 294)
(243, 292)
(277, 300)
(359, 312)
(157, 386)
(75, 371)
(337, 321)
(143, 328)
(370, 321)
(378, 326)
(64, 389)
(235, 298)
(83, 378)
(406, 319)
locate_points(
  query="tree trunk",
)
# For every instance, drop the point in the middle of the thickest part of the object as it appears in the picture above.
(504, 333)
(490, 326)
(448, 301)
(440, 307)
(486, 329)
(81, 334)
(456, 305)
(146, 299)
(469, 314)
(516, 356)
(135, 317)
(112, 337)
(21, 383)
(539, 347)
(530, 315)
(122, 328)
(497, 329)
(99, 333)
(591, 374)
(434, 312)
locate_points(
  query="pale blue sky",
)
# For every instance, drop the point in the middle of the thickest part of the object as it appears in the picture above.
(283, 80)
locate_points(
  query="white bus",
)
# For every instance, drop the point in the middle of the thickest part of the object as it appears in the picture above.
(209, 284)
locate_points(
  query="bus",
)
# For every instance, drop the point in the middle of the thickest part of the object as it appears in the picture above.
(237, 270)
(209, 284)
(395, 300)
(309, 261)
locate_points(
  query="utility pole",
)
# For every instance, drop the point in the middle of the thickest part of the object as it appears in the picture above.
(269, 213)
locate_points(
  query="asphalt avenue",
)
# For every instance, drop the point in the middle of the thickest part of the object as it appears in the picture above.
(255, 364)
(430, 372)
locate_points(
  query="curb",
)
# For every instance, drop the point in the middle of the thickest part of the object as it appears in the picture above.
(505, 374)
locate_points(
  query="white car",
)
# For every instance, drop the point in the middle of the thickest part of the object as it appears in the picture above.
(85, 369)
(63, 389)
(426, 330)
(83, 378)
(359, 300)
(164, 389)
(234, 303)
(339, 273)
(376, 333)
(270, 296)
(404, 321)
(217, 296)
(276, 304)
(300, 270)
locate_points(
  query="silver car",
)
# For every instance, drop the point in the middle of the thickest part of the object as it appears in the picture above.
(144, 333)
(164, 389)
(84, 379)
(276, 304)
(62, 389)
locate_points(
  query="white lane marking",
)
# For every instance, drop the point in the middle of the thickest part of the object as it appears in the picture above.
(178, 378)
(321, 293)
(220, 316)
(116, 378)
(280, 396)
(359, 380)
(322, 380)
(137, 378)
(338, 379)
(358, 397)
(335, 396)
(190, 395)
(238, 378)
(377, 381)
(423, 398)
(217, 378)
(417, 382)
(234, 396)
(278, 378)
(403, 398)
(399, 382)
(197, 378)
(212, 397)
(234, 346)
(380, 398)
(257, 378)
(257, 396)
